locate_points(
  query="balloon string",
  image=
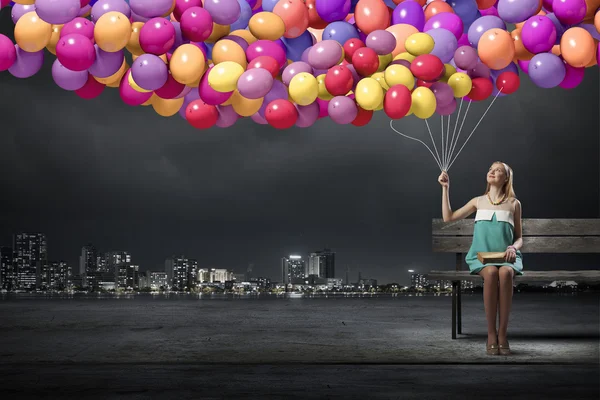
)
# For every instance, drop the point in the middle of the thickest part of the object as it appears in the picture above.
(455, 126)
(420, 141)
(439, 161)
(460, 128)
(447, 136)
(480, 119)
(443, 160)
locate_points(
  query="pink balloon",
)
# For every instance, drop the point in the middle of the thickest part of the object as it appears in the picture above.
(171, 89)
(129, 95)
(79, 25)
(307, 115)
(463, 41)
(157, 36)
(8, 53)
(323, 104)
(256, 117)
(524, 65)
(182, 5)
(210, 95)
(76, 52)
(490, 11)
(91, 89)
(266, 48)
(196, 24)
(573, 77)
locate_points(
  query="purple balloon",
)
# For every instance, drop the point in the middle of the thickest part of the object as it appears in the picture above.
(480, 71)
(512, 67)
(446, 20)
(184, 92)
(333, 10)
(57, 11)
(103, 6)
(67, 79)
(355, 77)
(106, 63)
(547, 70)
(227, 116)
(569, 12)
(294, 69)
(463, 41)
(223, 12)
(240, 41)
(342, 110)
(445, 44)
(149, 72)
(259, 119)
(27, 64)
(138, 18)
(465, 57)
(446, 109)
(481, 25)
(79, 25)
(304, 56)
(307, 115)
(278, 91)
(210, 95)
(513, 11)
(18, 10)
(443, 93)
(255, 83)
(325, 54)
(538, 34)
(406, 63)
(187, 99)
(179, 40)
(85, 10)
(383, 42)
(150, 9)
(591, 29)
(560, 29)
(410, 13)
(573, 76)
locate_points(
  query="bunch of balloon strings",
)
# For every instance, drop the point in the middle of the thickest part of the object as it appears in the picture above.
(448, 146)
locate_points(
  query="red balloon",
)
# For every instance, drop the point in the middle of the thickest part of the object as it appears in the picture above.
(266, 62)
(363, 117)
(481, 90)
(427, 67)
(314, 19)
(91, 89)
(281, 114)
(338, 80)
(201, 115)
(170, 89)
(397, 102)
(351, 46)
(421, 82)
(365, 61)
(508, 82)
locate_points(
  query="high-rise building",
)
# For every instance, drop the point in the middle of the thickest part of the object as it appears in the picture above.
(322, 264)
(60, 276)
(126, 275)
(293, 269)
(212, 275)
(179, 270)
(88, 265)
(419, 281)
(30, 259)
(192, 272)
(8, 276)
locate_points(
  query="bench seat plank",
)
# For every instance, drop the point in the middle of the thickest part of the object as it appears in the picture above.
(587, 276)
(531, 227)
(531, 244)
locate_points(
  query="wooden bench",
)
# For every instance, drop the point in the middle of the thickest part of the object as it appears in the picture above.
(539, 236)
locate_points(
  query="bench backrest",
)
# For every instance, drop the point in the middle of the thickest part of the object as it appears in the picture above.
(539, 235)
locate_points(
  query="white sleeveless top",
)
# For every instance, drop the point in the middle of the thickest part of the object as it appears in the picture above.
(486, 210)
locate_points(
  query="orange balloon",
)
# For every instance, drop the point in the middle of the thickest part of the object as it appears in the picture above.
(436, 7)
(112, 31)
(228, 50)
(594, 60)
(243, 106)
(401, 32)
(218, 32)
(485, 4)
(32, 33)
(577, 47)
(167, 107)
(187, 64)
(592, 7)
(521, 53)
(597, 21)
(556, 50)
(266, 26)
(244, 34)
(371, 15)
(51, 46)
(133, 45)
(25, 2)
(496, 48)
(294, 15)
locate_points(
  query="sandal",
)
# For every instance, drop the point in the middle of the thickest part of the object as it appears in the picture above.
(491, 349)
(504, 349)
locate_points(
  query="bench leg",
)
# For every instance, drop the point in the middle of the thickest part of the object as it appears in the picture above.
(454, 301)
(458, 310)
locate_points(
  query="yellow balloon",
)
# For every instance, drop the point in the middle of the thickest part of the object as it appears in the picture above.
(423, 102)
(167, 107)
(323, 93)
(397, 74)
(266, 26)
(405, 56)
(380, 106)
(380, 78)
(218, 32)
(243, 106)
(304, 89)
(244, 34)
(228, 50)
(135, 86)
(384, 61)
(112, 31)
(187, 64)
(449, 70)
(460, 83)
(224, 76)
(419, 43)
(133, 44)
(32, 33)
(51, 46)
(369, 93)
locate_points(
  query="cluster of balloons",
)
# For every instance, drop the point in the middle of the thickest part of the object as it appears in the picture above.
(291, 62)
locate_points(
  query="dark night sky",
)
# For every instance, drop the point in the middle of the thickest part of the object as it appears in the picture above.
(124, 178)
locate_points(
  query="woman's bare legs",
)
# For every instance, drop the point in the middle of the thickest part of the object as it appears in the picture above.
(490, 277)
(505, 295)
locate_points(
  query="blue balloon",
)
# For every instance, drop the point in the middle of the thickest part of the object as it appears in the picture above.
(465, 9)
(340, 31)
(245, 15)
(482, 25)
(353, 4)
(560, 28)
(468, 23)
(296, 46)
(269, 5)
(209, 49)
(389, 3)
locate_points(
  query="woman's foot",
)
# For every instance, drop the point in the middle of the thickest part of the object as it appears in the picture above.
(503, 346)
(491, 346)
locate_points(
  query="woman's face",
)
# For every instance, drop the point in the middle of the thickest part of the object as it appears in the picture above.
(496, 174)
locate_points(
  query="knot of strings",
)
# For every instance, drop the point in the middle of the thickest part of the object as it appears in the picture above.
(445, 157)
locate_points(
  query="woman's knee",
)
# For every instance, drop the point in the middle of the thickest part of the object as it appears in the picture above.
(506, 273)
(489, 273)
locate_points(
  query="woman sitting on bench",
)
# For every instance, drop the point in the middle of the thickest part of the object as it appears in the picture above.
(497, 229)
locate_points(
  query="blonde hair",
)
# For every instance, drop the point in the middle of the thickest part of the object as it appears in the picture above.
(507, 189)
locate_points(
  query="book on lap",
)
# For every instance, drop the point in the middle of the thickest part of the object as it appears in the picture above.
(491, 257)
